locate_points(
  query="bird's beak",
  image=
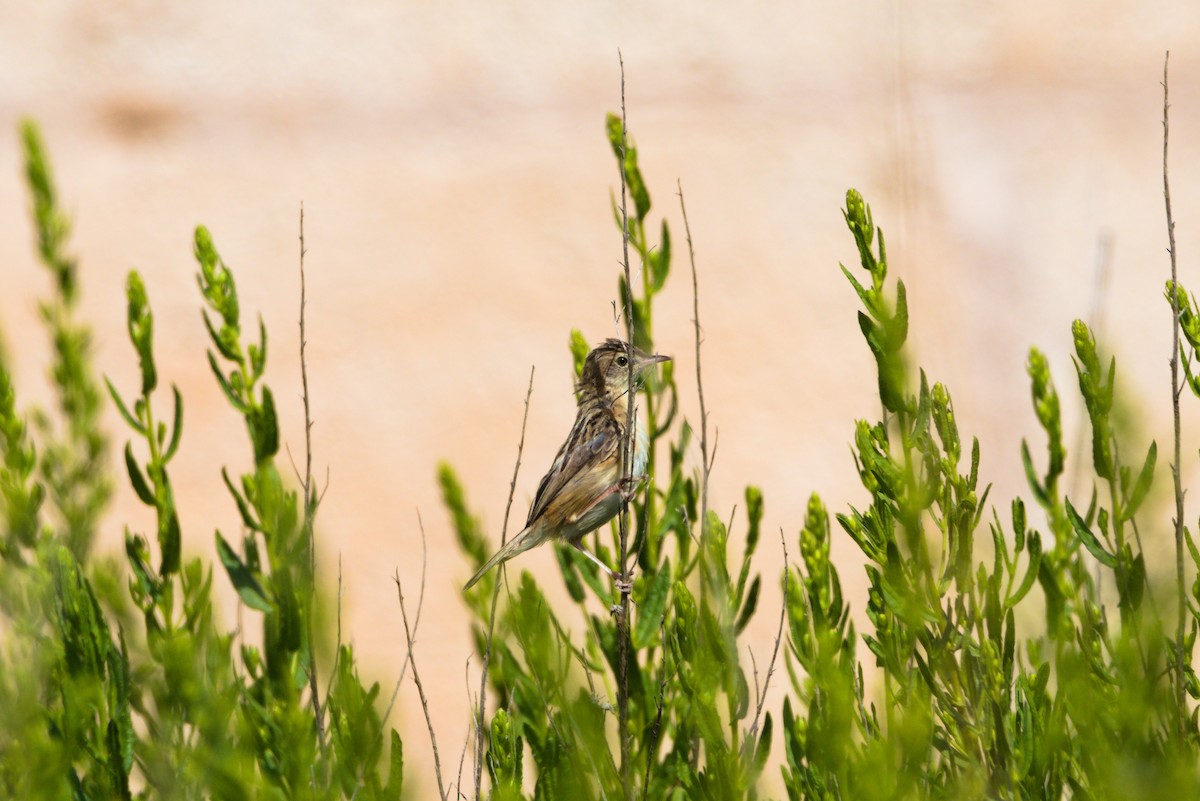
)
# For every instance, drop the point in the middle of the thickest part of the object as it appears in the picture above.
(649, 361)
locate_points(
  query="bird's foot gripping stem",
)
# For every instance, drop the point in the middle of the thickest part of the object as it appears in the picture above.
(629, 486)
(624, 585)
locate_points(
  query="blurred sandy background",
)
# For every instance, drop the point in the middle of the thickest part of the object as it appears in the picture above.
(452, 164)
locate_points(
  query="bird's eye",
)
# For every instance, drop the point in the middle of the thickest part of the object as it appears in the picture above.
(622, 361)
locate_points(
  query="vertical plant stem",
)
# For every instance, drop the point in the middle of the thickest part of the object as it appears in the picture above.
(387, 713)
(751, 740)
(706, 466)
(1180, 712)
(309, 507)
(649, 507)
(410, 634)
(627, 473)
(487, 650)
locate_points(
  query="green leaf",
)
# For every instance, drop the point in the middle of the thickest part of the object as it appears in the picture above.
(118, 672)
(258, 355)
(904, 606)
(230, 395)
(852, 525)
(123, 409)
(739, 702)
(286, 637)
(226, 345)
(1035, 562)
(118, 776)
(1025, 731)
(1039, 493)
(1142, 485)
(763, 749)
(614, 129)
(395, 780)
(177, 426)
(243, 507)
(1191, 544)
(138, 552)
(1018, 522)
(635, 183)
(898, 326)
(750, 605)
(1088, 538)
(743, 574)
(659, 261)
(247, 586)
(1131, 584)
(754, 515)
(141, 330)
(879, 273)
(579, 350)
(169, 538)
(136, 479)
(650, 611)
(870, 333)
(264, 428)
(864, 294)
(569, 574)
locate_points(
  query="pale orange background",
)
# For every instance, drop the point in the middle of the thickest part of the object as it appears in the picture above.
(452, 164)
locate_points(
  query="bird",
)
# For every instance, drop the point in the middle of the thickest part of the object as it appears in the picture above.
(586, 485)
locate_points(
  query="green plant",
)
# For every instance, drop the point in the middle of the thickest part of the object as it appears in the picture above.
(73, 457)
(174, 708)
(1018, 653)
(687, 724)
(971, 707)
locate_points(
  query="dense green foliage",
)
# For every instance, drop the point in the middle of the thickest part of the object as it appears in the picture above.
(1075, 700)
(1018, 649)
(99, 704)
(972, 707)
(693, 718)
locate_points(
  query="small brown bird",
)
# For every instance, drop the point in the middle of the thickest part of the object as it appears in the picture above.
(586, 485)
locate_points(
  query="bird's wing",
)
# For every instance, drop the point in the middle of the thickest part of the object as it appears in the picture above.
(594, 441)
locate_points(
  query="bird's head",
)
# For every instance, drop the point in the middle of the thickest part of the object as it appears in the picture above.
(606, 369)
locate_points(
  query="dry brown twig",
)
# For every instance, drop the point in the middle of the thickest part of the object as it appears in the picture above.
(487, 651)
(787, 577)
(410, 659)
(309, 505)
(387, 713)
(337, 654)
(627, 456)
(704, 457)
(658, 713)
(471, 731)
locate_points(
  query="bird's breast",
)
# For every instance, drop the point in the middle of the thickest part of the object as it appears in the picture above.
(641, 448)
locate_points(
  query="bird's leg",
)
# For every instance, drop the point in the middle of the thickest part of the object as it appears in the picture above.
(579, 547)
(625, 586)
(629, 485)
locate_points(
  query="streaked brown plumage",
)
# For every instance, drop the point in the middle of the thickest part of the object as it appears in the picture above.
(584, 488)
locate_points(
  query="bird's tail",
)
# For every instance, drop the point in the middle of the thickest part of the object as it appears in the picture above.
(518, 544)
